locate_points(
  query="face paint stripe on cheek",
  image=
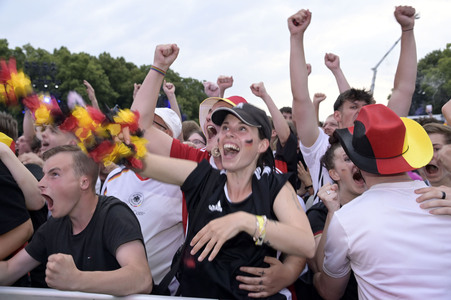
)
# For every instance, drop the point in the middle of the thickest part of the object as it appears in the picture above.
(249, 142)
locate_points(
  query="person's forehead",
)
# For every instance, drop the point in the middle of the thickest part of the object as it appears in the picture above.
(437, 138)
(355, 102)
(339, 152)
(62, 160)
(160, 120)
(195, 135)
(330, 119)
(232, 118)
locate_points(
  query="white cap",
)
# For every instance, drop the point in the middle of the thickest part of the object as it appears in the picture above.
(171, 119)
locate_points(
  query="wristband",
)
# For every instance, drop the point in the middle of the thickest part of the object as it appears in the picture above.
(162, 72)
(404, 30)
(261, 230)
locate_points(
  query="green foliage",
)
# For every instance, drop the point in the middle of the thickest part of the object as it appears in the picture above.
(433, 81)
(189, 92)
(112, 78)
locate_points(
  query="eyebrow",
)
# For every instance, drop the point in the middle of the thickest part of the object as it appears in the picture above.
(54, 169)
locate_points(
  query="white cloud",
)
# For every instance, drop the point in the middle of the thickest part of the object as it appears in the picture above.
(246, 39)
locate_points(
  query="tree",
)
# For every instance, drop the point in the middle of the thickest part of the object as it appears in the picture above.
(433, 81)
(112, 78)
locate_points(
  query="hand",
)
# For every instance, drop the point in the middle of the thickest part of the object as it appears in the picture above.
(319, 97)
(298, 23)
(136, 88)
(168, 88)
(405, 16)
(215, 234)
(332, 61)
(211, 89)
(304, 175)
(259, 90)
(123, 136)
(165, 55)
(61, 272)
(268, 282)
(31, 158)
(439, 206)
(90, 90)
(328, 193)
(224, 82)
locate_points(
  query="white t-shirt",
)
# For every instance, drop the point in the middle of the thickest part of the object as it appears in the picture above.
(312, 156)
(158, 207)
(396, 249)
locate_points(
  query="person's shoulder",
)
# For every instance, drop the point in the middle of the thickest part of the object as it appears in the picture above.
(107, 201)
(183, 151)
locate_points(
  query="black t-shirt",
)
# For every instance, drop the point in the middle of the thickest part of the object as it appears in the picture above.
(13, 211)
(317, 215)
(288, 154)
(217, 279)
(93, 249)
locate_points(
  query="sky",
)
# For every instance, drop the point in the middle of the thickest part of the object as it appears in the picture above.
(248, 40)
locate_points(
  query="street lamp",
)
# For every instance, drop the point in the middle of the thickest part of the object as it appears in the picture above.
(417, 16)
(377, 65)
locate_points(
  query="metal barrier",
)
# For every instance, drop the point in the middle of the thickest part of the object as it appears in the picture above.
(17, 293)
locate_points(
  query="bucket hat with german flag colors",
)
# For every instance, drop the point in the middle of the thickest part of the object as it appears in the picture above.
(383, 143)
(208, 103)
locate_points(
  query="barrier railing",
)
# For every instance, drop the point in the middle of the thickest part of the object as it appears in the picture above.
(17, 293)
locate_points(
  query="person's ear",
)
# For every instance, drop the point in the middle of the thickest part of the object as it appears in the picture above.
(263, 145)
(84, 182)
(334, 175)
(273, 133)
(337, 116)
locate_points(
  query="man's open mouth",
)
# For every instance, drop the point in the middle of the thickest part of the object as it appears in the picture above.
(431, 169)
(357, 176)
(211, 132)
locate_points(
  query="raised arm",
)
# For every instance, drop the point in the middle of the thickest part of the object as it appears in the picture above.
(169, 90)
(446, 111)
(303, 110)
(317, 99)
(332, 62)
(211, 89)
(146, 98)
(224, 82)
(280, 124)
(23, 177)
(406, 72)
(28, 126)
(91, 94)
(147, 95)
